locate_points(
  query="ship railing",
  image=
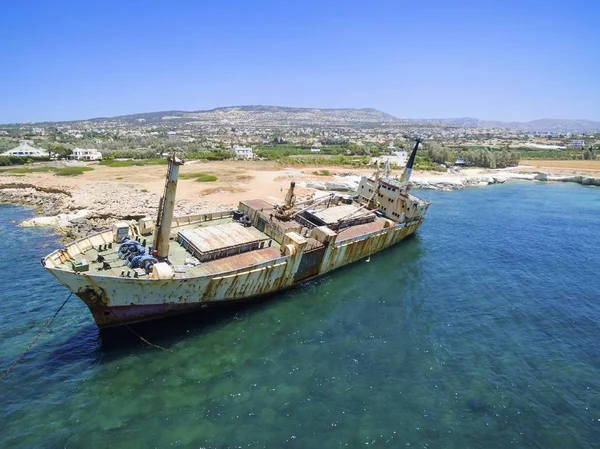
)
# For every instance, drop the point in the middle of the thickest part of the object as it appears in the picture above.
(197, 218)
(80, 246)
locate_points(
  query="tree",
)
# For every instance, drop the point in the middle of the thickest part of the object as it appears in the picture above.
(59, 150)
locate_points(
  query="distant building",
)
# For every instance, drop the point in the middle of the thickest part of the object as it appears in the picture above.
(242, 152)
(40, 131)
(86, 154)
(315, 149)
(26, 150)
(577, 143)
(397, 158)
(460, 161)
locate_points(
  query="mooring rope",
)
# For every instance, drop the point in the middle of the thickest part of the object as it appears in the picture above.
(139, 336)
(47, 325)
(146, 341)
(18, 359)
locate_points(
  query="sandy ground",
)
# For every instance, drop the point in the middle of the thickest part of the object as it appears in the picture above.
(237, 180)
(114, 189)
(569, 167)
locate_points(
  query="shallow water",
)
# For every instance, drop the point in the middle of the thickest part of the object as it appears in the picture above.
(482, 331)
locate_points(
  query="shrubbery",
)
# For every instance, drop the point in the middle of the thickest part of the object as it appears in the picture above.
(6, 161)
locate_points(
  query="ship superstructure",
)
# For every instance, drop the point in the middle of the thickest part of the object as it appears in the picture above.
(140, 271)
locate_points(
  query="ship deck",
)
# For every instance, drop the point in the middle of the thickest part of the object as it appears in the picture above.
(178, 254)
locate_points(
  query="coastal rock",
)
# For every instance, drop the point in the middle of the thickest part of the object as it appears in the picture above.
(62, 220)
(590, 181)
(576, 179)
(524, 176)
(336, 186)
(313, 185)
(341, 186)
(583, 180)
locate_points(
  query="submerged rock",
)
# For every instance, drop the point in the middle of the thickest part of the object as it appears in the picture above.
(476, 406)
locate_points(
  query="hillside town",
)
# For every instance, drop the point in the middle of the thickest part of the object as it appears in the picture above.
(247, 132)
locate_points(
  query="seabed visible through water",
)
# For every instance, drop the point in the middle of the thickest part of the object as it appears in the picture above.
(481, 331)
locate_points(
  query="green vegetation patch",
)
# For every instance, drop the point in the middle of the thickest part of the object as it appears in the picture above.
(347, 161)
(18, 160)
(58, 171)
(322, 173)
(134, 162)
(27, 170)
(72, 171)
(199, 177)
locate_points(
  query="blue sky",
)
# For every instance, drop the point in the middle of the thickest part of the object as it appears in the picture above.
(498, 60)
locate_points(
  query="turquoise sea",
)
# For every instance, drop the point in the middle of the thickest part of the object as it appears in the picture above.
(482, 331)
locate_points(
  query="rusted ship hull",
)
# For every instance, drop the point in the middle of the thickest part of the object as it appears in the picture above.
(115, 301)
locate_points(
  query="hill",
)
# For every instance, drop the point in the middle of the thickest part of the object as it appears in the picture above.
(540, 125)
(256, 115)
(278, 116)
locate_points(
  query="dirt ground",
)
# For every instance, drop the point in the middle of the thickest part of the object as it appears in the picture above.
(564, 167)
(236, 180)
(239, 180)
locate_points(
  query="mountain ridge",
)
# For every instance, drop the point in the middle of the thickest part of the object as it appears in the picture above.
(265, 115)
(540, 125)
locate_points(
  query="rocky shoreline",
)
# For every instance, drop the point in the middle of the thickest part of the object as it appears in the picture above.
(455, 182)
(461, 183)
(78, 211)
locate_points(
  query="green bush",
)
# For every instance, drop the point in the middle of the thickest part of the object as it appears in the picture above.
(134, 162)
(26, 170)
(199, 177)
(206, 178)
(72, 171)
(58, 171)
(6, 161)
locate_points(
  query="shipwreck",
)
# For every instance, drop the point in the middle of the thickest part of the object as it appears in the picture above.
(154, 268)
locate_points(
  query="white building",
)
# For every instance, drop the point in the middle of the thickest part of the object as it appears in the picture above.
(315, 149)
(86, 154)
(400, 154)
(397, 158)
(26, 150)
(577, 143)
(242, 152)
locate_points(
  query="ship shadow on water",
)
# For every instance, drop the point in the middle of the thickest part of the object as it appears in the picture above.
(168, 331)
(99, 346)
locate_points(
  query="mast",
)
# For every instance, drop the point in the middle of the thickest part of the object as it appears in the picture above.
(411, 161)
(160, 247)
(289, 198)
